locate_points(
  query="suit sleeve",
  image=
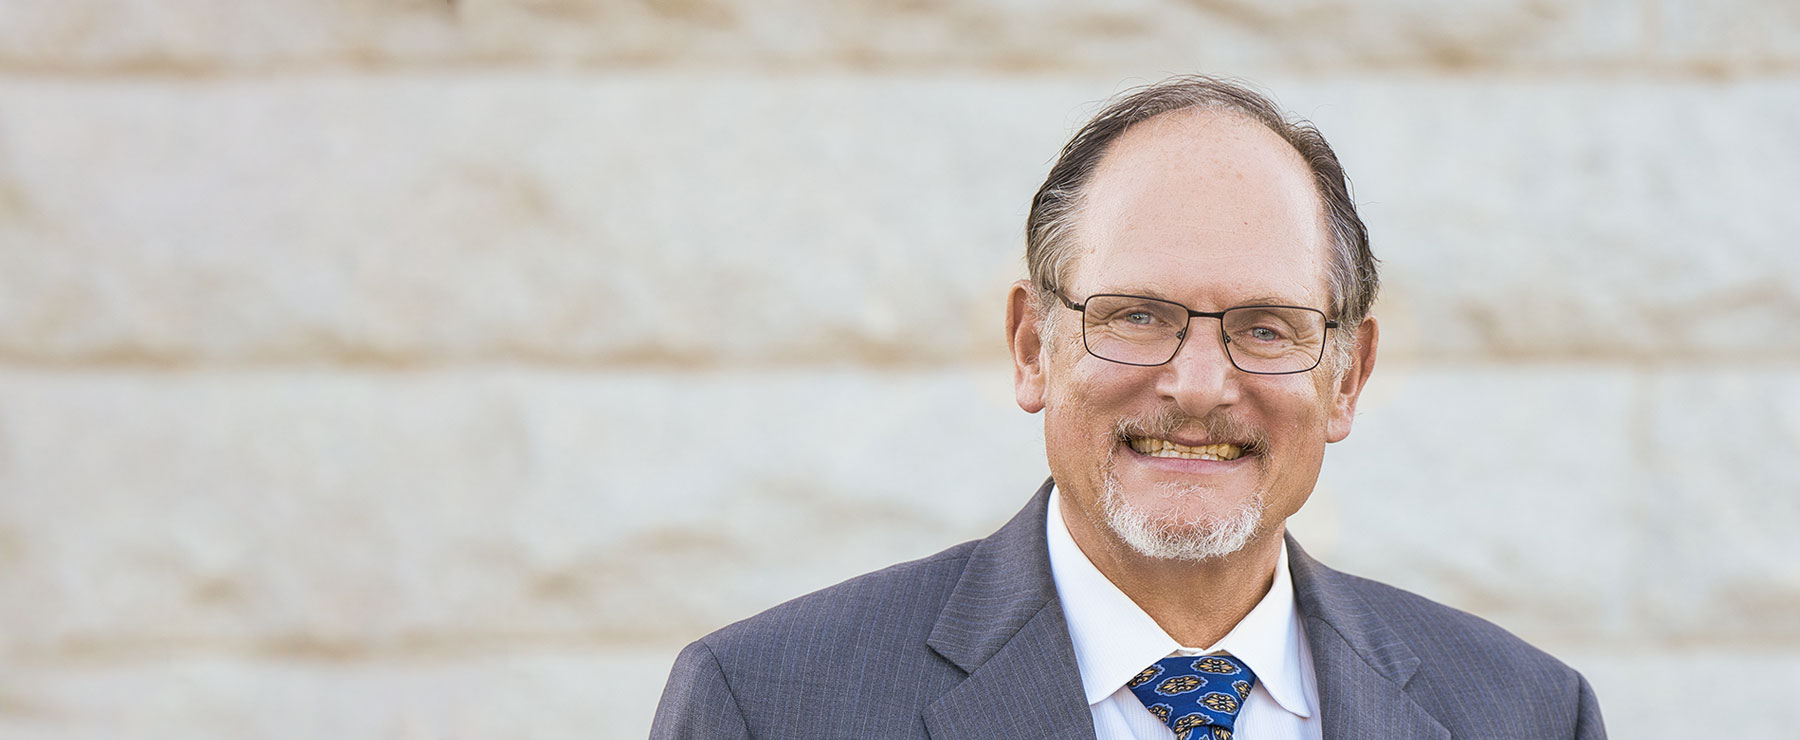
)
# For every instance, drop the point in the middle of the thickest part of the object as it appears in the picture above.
(697, 703)
(1587, 714)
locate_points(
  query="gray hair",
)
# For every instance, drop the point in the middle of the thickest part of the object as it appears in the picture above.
(1049, 237)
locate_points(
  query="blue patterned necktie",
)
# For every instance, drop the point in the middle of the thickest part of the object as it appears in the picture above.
(1191, 693)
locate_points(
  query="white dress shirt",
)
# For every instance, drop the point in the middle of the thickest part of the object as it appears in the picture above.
(1114, 639)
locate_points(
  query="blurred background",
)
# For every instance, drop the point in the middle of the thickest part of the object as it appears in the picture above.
(437, 369)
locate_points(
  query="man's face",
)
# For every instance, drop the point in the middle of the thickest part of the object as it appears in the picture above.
(1212, 211)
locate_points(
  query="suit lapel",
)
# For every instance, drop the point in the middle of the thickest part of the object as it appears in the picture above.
(1004, 626)
(1362, 665)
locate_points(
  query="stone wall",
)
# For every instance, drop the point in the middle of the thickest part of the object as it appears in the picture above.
(436, 369)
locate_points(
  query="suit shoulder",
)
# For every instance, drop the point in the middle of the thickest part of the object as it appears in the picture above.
(1466, 656)
(1433, 627)
(1472, 671)
(811, 656)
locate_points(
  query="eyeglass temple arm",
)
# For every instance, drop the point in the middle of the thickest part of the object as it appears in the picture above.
(1065, 300)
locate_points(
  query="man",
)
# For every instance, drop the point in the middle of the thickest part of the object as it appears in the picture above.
(1195, 330)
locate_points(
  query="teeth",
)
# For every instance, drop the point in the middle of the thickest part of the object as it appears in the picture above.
(1165, 448)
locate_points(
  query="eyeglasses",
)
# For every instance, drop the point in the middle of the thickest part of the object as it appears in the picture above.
(1264, 340)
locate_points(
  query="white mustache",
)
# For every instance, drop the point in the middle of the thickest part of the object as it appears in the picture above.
(1168, 422)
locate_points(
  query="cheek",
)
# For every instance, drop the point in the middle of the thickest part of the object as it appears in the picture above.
(1296, 417)
(1082, 398)
(1081, 409)
(1302, 438)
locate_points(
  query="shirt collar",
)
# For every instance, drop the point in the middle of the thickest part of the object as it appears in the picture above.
(1114, 639)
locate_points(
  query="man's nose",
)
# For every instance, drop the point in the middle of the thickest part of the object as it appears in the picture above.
(1201, 377)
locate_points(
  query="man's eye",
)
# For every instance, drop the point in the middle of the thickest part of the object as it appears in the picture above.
(1140, 318)
(1265, 334)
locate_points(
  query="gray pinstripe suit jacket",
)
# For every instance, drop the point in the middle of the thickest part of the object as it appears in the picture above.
(971, 643)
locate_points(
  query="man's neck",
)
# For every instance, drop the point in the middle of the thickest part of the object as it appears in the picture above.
(1197, 603)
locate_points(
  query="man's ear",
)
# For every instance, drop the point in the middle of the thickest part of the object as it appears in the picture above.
(1346, 389)
(1027, 347)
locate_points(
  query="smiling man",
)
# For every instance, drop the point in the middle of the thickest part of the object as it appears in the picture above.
(1195, 329)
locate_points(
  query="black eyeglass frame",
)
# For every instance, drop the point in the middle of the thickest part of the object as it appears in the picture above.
(1181, 336)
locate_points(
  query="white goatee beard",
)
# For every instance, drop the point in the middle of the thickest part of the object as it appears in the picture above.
(1167, 537)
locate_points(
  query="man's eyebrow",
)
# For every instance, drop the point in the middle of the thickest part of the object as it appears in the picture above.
(1257, 300)
(1269, 300)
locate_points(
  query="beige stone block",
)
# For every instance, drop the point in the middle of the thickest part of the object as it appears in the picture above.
(1587, 221)
(1513, 493)
(1090, 35)
(541, 692)
(1719, 539)
(294, 509)
(346, 514)
(557, 219)
(678, 220)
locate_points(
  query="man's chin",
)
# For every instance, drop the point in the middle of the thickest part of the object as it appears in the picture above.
(1174, 535)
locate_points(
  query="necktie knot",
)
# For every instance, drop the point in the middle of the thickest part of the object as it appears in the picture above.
(1196, 696)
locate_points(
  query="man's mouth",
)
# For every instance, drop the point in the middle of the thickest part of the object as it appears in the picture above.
(1154, 447)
